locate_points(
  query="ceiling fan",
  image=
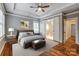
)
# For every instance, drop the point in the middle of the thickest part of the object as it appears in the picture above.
(40, 7)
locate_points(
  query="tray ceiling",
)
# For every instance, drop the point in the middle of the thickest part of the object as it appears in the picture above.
(25, 10)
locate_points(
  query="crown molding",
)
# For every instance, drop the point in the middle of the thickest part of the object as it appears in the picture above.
(22, 16)
(72, 13)
(54, 15)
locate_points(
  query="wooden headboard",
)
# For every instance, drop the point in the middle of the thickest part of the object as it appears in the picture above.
(23, 31)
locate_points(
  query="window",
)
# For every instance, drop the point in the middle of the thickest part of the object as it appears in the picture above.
(36, 26)
(1, 24)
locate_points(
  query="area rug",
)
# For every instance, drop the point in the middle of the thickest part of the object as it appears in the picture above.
(19, 51)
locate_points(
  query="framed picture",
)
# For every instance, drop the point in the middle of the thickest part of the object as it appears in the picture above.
(24, 24)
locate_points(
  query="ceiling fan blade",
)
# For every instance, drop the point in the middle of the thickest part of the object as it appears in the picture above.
(33, 7)
(36, 10)
(43, 10)
(45, 6)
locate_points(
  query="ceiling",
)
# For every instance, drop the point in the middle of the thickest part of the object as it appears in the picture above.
(23, 9)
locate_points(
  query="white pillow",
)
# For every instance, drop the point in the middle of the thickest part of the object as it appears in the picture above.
(22, 34)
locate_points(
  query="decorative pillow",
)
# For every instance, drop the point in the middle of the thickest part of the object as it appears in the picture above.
(22, 34)
(30, 33)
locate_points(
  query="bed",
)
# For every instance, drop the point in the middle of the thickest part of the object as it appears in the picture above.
(25, 38)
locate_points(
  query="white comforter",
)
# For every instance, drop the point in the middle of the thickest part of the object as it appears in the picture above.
(28, 39)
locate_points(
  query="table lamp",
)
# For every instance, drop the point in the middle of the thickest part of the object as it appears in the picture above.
(11, 31)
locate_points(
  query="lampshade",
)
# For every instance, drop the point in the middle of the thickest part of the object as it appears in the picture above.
(11, 29)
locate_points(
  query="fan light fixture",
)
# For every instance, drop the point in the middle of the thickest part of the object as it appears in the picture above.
(39, 9)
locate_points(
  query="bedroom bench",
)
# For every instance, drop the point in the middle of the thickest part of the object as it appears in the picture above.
(36, 44)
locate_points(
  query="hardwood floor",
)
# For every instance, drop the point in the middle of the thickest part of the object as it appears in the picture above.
(7, 51)
(69, 48)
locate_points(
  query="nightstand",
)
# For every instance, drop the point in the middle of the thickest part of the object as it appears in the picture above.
(11, 39)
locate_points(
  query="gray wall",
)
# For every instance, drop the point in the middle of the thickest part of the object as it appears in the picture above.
(77, 30)
(14, 22)
(56, 29)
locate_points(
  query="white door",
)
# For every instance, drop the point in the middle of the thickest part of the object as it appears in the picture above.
(56, 29)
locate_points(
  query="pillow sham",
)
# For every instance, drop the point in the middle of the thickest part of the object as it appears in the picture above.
(25, 34)
(22, 34)
(30, 33)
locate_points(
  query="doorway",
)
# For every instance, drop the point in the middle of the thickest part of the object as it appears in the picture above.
(69, 28)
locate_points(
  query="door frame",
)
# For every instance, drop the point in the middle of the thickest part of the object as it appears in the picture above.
(73, 18)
